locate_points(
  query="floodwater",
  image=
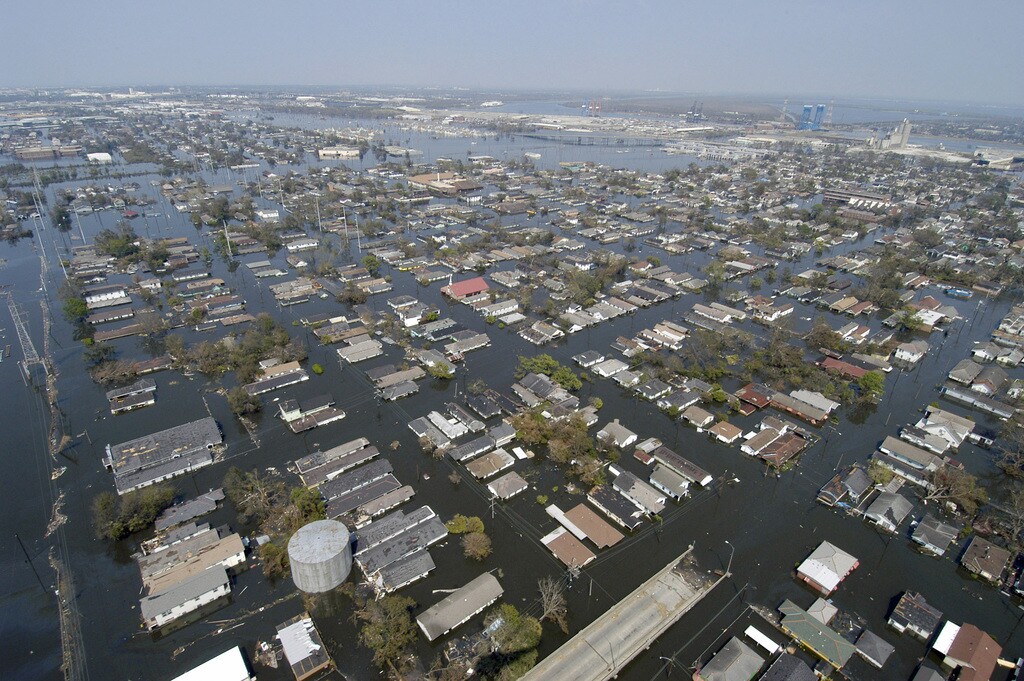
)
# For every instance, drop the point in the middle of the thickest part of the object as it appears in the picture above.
(760, 526)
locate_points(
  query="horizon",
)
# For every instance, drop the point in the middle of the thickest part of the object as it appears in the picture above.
(792, 48)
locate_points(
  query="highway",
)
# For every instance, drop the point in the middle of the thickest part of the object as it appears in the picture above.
(602, 649)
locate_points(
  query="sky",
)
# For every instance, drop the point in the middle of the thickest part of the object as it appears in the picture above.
(938, 50)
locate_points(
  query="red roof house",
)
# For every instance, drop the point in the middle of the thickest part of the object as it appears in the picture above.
(463, 289)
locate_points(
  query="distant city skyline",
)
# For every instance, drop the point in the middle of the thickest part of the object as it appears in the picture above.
(938, 51)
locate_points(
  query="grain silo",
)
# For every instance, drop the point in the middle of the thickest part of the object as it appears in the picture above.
(321, 556)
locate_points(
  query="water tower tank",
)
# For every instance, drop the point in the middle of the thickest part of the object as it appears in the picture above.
(321, 556)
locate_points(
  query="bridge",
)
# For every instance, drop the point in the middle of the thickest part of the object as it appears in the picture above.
(589, 139)
(603, 649)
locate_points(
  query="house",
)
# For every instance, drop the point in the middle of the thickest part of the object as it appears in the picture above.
(646, 498)
(303, 648)
(844, 369)
(912, 352)
(786, 667)
(756, 395)
(459, 606)
(952, 428)
(815, 636)
(816, 400)
(968, 649)
(873, 649)
(736, 661)
(460, 290)
(726, 432)
(913, 613)
(926, 673)
(985, 559)
(679, 400)
(669, 482)
(888, 511)
(698, 417)
(589, 358)
(758, 442)
(965, 372)
(228, 666)
(989, 381)
(846, 487)
(826, 568)
(933, 535)
(186, 596)
(616, 434)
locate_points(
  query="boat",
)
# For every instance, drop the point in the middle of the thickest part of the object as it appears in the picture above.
(961, 293)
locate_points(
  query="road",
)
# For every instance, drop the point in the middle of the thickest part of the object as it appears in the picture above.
(602, 649)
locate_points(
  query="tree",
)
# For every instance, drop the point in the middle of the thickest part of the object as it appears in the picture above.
(75, 309)
(309, 504)
(516, 632)
(242, 402)
(872, 383)
(372, 264)
(823, 336)
(388, 630)
(1014, 512)
(275, 560)
(554, 607)
(460, 524)
(476, 545)
(117, 517)
(253, 495)
(879, 474)
(441, 370)
(98, 353)
(956, 486)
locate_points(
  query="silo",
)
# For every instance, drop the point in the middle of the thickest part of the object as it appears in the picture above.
(321, 556)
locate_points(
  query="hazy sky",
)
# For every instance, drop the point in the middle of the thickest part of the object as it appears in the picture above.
(924, 49)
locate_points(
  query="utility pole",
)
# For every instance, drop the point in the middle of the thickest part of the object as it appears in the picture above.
(79, 221)
(29, 561)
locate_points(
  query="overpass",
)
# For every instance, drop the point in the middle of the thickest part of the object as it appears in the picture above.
(601, 650)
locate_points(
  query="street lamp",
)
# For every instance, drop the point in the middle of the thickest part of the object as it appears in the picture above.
(732, 551)
(670, 666)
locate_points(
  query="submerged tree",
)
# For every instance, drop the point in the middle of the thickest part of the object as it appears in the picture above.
(554, 607)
